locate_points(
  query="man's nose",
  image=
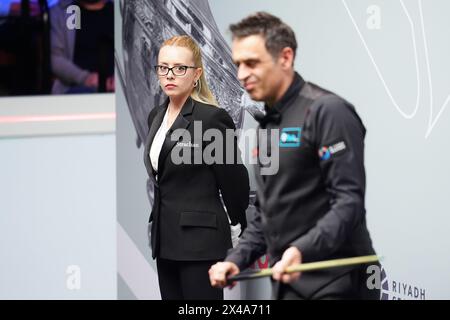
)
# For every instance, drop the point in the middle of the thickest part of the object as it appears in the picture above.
(243, 72)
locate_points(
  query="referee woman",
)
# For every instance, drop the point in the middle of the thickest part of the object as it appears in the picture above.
(190, 226)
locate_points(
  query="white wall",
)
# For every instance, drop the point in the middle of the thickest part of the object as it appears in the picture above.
(58, 208)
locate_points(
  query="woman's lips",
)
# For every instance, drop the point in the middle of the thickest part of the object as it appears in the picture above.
(170, 86)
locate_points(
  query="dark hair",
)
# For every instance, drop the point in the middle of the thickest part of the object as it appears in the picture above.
(276, 33)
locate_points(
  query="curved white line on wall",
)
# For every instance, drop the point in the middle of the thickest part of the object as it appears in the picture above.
(431, 122)
(377, 69)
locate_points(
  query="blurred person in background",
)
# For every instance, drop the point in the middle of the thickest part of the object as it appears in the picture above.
(25, 47)
(83, 59)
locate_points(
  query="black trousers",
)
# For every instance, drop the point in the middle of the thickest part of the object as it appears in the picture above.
(186, 280)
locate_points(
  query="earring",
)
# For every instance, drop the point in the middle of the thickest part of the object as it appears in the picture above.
(196, 83)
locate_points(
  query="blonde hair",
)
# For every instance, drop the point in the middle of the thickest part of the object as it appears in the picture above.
(201, 91)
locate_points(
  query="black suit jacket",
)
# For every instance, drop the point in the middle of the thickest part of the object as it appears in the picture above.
(315, 201)
(188, 218)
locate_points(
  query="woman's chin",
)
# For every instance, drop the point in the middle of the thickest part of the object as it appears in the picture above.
(173, 93)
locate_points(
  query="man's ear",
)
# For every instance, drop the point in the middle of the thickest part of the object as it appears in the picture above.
(287, 58)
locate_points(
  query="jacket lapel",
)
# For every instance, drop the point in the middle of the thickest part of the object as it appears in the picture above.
(181, 122)
(151, 135)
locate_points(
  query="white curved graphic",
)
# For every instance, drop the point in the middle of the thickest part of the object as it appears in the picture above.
(431, 122)
(377, 69)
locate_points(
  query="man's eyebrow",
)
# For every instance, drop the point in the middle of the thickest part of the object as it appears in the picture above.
(251, 60)
(246, 61)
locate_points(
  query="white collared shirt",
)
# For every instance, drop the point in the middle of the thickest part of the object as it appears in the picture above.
(158, 141)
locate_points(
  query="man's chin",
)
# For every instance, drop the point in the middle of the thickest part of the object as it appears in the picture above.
(255, 96)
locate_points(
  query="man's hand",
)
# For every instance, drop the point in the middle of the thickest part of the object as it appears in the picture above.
(291, 257)
(218, 274)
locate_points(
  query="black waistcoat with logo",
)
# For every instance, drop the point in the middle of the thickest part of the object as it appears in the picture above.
(315, 200)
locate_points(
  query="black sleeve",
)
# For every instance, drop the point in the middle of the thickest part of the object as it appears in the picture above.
(232, 178)
(252, 244)
(335, 130)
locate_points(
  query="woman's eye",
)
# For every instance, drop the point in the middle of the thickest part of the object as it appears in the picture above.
(181, 68)
(162, 69)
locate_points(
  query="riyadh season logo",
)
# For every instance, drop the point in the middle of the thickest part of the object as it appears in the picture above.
(397, 290)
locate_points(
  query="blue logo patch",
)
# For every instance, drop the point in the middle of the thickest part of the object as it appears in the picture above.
(290, 137)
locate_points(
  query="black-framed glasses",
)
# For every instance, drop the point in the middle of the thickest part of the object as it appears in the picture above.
(176, 70)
